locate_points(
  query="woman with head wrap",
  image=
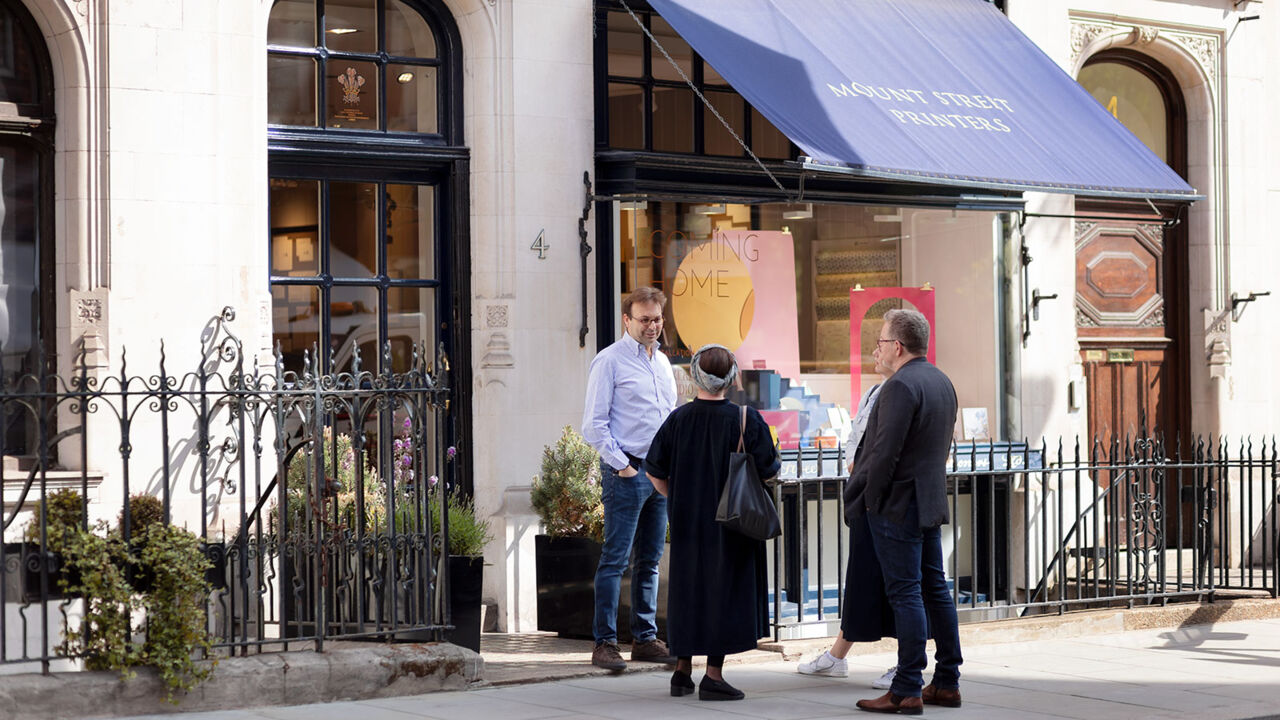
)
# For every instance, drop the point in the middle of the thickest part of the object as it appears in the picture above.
(716, 583)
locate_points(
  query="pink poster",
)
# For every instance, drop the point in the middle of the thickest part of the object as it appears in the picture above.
(773, 341)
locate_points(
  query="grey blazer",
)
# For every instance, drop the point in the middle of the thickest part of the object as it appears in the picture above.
(903, 456)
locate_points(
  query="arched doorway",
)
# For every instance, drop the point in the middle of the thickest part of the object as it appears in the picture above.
(1131, 269)
(26, 220)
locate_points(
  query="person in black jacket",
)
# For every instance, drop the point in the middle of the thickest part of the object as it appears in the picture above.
(899, 484)
(717, 583)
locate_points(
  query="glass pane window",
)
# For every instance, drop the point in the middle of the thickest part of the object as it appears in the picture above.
(717, 139)
(351, 26)
(636, 68)
(19, 79)
(677, 48)
(292, 23)
(352, 93)
(626, 46)
(359, 70)
(291, 90)
(1134, 99)
(353, 266)
(412, 101)
(672, 113)
(408, 34)
(626, 116)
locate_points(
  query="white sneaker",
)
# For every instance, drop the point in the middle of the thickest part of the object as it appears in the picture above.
(885, 681)
(825, 664)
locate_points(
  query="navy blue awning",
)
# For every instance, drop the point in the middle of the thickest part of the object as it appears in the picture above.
(936, 91)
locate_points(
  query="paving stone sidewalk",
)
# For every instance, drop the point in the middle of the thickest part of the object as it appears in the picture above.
(1228, 670)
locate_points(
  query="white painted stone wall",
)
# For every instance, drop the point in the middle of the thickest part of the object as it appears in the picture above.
(162, 199)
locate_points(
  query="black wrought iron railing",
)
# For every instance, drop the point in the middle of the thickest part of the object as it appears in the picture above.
(1045, 530)
(315, 497)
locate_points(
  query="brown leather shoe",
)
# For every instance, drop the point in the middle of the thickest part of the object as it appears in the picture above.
(606, 656)
(652, 651)
(890, 703)
(946, 697)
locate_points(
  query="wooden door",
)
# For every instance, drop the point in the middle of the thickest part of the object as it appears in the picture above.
(1128, 319)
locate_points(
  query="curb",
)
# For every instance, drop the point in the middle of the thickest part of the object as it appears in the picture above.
(1076, 624)
(284, 678)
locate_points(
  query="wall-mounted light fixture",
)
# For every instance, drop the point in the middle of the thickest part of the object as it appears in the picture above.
(711, 209)
(797, 211)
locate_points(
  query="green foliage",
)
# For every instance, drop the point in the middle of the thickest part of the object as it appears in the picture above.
(144, 512)
(175, 606)
(170, 558)
(340, 485)
(63, 510)
(102, 639)
(567, 493)
(467, 533)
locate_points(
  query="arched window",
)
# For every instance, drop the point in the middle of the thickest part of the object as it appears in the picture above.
(26, 215)
(368, 172)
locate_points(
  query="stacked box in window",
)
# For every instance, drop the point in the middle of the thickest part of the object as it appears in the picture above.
(762, 388)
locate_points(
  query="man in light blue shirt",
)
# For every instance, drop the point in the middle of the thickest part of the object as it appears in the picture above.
(630, 391)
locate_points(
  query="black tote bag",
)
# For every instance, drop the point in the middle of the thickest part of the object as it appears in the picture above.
(746, 506)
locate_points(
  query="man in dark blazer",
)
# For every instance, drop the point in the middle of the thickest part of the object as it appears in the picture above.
(900, 483)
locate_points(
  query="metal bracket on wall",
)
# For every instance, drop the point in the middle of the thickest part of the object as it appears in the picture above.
(584, 249)
(1031, 301)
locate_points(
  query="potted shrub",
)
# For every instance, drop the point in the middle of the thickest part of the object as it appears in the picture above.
(566, 496)
(63, 511)
(145, 512)
(468, 536)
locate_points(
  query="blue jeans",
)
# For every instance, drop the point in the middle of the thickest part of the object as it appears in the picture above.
(634, 514)
(911, 558)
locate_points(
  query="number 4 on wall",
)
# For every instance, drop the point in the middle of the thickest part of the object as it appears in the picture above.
(540, 245)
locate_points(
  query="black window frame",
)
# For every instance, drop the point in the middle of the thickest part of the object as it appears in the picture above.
(647, 82)
(441, 159)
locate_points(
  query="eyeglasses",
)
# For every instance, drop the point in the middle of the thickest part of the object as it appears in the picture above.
(648, 320)
(887, 340)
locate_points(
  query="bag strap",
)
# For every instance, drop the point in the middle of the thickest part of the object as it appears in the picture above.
(742, 428)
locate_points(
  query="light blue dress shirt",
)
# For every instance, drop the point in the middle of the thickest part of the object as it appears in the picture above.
(629, 394)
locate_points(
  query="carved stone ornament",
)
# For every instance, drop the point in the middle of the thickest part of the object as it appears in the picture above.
(1083, 227)
(1154, 319)
(1204, 48)
(1083, 33)
(1083, 319)
(497, 352)
(496, 316)
(1217, 342)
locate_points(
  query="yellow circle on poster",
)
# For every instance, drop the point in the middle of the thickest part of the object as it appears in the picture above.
(712, 298)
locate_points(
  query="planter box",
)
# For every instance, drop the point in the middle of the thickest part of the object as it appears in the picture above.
(466, 582)
(566, 572)
(23, 564)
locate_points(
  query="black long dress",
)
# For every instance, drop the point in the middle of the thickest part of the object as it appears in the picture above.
(717, 580)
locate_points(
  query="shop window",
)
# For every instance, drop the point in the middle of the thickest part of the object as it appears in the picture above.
(834, 248)
(26, 229)
(647, 105)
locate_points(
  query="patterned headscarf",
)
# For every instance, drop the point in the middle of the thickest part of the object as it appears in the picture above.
(706, 380)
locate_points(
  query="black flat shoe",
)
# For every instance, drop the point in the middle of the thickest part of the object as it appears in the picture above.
(681, 684)
(710, 689)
